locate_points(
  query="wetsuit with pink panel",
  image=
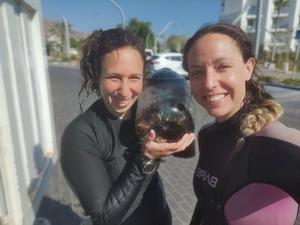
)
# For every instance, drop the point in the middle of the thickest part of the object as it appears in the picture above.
(257, 185)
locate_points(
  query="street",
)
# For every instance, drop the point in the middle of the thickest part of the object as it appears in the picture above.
(61, 207)
(289, 99)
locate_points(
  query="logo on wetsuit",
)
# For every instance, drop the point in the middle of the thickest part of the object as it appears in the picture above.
(206, 177)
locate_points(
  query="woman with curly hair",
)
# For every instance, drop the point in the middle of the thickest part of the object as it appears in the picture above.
(113, 174)
(249, 165)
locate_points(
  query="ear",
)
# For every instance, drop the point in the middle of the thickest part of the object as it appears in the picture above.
(250, 64)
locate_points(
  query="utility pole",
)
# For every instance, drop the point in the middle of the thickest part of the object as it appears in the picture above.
(162, 31)
(296, 60)
(67, 38)
(120, 11)
(258, 26)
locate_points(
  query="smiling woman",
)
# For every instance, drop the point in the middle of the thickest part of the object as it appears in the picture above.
(218, 74)
(112, 172)
(121, 80)
(237, 180)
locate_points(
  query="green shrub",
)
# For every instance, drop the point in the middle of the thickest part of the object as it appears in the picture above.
(265, 79)
(295, 82)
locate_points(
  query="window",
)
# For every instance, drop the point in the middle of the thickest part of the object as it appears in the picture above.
(174, 58)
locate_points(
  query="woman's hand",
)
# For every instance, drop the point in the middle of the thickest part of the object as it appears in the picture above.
(155, 150)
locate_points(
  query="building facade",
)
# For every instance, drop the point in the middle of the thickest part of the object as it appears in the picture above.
(27, 137)
(277, 30)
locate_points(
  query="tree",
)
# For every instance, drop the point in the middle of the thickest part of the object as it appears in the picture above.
(278, 5)
(74, 42)
(143, 30)
(176, 42)
(58, 32)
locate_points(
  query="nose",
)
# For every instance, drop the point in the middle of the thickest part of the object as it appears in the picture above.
(124, 89)
(209, 80)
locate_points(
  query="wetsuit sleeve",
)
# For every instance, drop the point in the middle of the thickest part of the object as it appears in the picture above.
(196, 218)
(106, 202)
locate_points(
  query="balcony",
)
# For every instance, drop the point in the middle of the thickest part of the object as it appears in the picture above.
(251, 16)
(251, 13)
(281, 27)
(284, 12)
(250, 30)
(282, 15)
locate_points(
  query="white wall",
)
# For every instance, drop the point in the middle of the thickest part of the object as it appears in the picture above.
(27, 140)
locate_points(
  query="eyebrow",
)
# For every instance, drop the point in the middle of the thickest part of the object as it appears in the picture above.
(221, 59)
(119, 74)
(215, 61)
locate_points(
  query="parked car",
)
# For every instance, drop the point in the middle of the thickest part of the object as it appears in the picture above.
(149, 54)
(171, 60)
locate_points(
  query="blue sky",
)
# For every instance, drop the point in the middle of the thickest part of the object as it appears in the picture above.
(87, 15)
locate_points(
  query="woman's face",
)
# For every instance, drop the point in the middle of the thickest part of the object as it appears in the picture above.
(121, 80)
(218, 74)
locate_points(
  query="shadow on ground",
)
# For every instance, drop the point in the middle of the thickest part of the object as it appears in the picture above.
(57, 213)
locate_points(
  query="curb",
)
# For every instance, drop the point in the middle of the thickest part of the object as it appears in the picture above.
(282, 86)
(63, 64)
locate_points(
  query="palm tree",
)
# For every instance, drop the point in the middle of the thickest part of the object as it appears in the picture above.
(143, 30)
(59, 30)
(278, 5)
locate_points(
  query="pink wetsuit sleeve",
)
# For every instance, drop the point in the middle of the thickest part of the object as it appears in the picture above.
(261, 204)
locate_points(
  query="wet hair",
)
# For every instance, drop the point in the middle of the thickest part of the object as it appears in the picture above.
(259, 108)
(94, 49)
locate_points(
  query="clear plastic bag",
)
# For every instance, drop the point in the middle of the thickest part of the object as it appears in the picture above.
(165, 106)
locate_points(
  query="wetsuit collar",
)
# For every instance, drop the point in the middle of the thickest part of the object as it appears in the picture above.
(105, 113)
(231, 124)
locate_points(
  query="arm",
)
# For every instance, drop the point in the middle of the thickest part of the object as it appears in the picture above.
(104, 201)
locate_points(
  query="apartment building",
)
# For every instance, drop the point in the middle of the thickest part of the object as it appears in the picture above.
(281, 34)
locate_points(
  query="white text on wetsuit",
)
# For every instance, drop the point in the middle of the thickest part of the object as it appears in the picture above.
(206, 177)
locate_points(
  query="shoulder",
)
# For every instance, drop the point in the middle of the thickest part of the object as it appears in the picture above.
(86, 122)
(274, 155)
(275, 145)
(279, 131)
(87, 129)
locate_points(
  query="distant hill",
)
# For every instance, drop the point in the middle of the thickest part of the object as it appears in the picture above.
(49, 25)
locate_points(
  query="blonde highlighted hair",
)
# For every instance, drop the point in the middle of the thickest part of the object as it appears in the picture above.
(258, 118)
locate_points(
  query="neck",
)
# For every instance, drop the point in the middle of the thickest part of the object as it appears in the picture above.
(126, 116)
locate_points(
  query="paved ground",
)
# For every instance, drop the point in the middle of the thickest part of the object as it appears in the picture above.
(61, 207)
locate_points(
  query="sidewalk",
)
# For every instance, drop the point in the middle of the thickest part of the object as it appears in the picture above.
(279, 75)
(276, 73)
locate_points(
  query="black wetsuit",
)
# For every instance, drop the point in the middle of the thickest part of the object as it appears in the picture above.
(259, 185)
(99, 156)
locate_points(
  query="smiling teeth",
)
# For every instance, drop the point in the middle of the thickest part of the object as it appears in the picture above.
(215, 98)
